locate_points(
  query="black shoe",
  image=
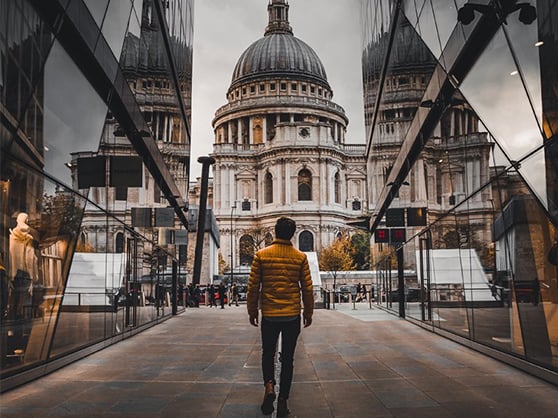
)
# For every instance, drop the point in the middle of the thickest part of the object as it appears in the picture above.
(269, 398)
(282, 409)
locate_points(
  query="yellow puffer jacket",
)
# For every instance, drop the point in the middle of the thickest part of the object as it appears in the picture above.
(279, 274)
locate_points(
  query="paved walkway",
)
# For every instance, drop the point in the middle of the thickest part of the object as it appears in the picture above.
(206, 363)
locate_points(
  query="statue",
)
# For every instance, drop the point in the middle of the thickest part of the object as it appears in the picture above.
(23, 266)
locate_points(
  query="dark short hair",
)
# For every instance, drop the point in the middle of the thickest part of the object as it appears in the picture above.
(285, 228)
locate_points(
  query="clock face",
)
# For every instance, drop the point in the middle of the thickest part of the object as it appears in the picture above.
(304, 132)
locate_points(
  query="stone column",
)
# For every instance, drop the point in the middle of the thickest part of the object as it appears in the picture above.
(287, 177)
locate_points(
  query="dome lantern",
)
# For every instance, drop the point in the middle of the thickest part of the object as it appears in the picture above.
(278, 11)
(279, 54)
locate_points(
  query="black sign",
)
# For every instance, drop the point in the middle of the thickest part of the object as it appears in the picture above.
(164, 217)
(416, 216)
(180, 237)
(397, 235)
(92, 172)
(395, 217)
(141, 217)
(126, 171)
(381, 235)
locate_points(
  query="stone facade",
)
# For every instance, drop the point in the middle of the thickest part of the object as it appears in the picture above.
(280, 148)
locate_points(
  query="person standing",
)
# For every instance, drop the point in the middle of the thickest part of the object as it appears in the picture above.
(211, 294)
(358, 292)
(222, 295)
(279, 275)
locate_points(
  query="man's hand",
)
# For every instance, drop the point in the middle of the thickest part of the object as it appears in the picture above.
(307, 321)
(254, 320)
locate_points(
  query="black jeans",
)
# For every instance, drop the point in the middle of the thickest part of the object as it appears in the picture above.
(289, 331)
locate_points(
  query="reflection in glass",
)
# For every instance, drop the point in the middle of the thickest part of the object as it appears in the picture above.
(98, 9)
(115, 24)
(434, 20)
(494, 89)
(69, 129)
(42, 235)
(484, 266)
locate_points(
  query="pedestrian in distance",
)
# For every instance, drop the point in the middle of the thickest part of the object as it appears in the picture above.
(358, 293)
(222, 295)
(197, 296)
(211, 291)
(279, 279)
(234, 295)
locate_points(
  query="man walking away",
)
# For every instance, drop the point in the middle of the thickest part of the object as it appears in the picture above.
(279, 275)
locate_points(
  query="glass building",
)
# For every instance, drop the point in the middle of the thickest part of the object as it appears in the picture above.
(461, 115)
(95, 101)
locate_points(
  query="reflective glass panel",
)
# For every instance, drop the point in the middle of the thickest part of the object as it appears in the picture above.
(69, 129)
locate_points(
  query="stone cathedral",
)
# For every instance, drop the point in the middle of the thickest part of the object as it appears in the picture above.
(280, 148)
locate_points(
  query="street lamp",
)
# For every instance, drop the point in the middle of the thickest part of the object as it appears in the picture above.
(232, 242)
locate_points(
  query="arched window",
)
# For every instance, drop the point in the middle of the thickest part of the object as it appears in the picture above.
(268, 239)
(268, 188)
(337, 186)
(119, 244)
(304, 184)
(306, 241)
(246, 250)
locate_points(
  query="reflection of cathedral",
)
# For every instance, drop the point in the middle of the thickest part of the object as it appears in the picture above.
(455, 160)
(146, 68)
(280, 147)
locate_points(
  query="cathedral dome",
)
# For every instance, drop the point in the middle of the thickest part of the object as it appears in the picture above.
(279, 54)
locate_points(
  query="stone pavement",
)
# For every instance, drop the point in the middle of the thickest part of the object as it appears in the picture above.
(349, 363)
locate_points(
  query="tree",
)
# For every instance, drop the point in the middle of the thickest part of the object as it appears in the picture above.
(360, 243)
(223, 265)
(337, 257)
(250, 242)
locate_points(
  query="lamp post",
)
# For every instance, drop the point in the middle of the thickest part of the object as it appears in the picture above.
(232, 242)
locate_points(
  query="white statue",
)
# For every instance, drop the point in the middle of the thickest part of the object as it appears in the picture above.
(23, 249)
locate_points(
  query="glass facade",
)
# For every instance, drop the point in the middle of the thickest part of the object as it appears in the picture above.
(95, 104)
(460, 105)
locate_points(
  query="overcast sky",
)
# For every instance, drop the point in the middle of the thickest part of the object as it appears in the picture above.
(223, 29)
